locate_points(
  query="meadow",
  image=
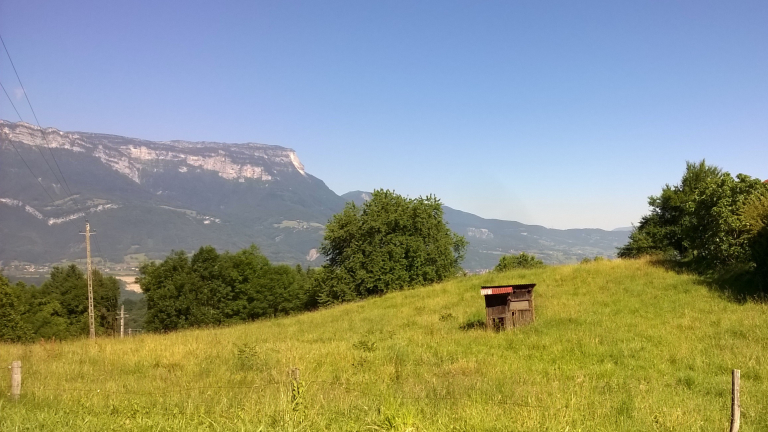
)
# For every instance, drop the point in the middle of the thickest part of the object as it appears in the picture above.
(617, 346)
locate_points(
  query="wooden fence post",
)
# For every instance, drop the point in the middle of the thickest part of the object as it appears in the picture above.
(735, 402)
(15, 380)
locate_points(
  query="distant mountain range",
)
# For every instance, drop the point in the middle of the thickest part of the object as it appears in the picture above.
(491, 238)
(145, 198)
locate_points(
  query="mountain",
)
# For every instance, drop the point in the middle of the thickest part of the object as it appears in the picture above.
(491, 238)
(146, 198)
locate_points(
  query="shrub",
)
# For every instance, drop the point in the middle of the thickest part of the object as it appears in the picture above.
(522, 261)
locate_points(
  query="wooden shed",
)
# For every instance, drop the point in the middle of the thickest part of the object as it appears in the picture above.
(508, 306)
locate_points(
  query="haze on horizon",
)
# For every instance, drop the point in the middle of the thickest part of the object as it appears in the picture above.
(559, 114)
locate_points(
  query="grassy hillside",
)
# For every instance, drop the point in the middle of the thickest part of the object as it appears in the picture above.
(617, 346)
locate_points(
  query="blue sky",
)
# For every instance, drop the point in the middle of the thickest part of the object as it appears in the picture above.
(564, 114)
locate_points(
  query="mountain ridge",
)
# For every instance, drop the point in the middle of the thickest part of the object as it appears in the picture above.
(146, 198)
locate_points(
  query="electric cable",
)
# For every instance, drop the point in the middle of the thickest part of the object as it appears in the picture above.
(22, 157)
(42, 132)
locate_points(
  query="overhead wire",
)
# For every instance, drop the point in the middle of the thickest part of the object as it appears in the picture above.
(45, 139)
(47, 144)
(18, 153)
(38, 148)
(42, 132)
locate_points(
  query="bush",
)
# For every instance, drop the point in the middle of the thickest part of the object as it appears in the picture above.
(522, 261)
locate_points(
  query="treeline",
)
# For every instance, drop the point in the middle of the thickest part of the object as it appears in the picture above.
(711, 221)
(211, 288)
(389, 243)
(57, 309)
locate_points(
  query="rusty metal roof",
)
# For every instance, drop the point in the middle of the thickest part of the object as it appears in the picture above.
(504, 289)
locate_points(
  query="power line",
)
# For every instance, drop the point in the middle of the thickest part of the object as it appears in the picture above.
(10, 100)
(18, 153)
(38, 122)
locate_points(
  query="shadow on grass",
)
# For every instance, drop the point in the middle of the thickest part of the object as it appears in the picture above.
(473, 323)
(737, 284)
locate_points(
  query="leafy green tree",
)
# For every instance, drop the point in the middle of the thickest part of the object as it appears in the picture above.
(210, 288)
(61, 309)
(522, 261)
(648, 238)
(106, 296)
(166, 288)
(12, 327)
(721, 238)
(755, 218)
(671, 225)
(389, 243)
(698, 220)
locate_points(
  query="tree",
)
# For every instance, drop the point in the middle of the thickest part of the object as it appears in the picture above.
(212, 289)
(12, 328)
(755, 218)
(106, 296)
(522, 261)
(166, 286)
(698, 220)
(389, 243)
(670, 226)
(704, 220)
(62, 303)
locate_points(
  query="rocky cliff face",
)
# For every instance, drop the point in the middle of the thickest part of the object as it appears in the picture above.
(150, 197)
(131, 156)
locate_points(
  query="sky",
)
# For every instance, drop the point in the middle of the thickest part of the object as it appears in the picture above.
(563, 114)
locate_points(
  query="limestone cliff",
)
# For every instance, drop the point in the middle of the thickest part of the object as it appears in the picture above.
(131, 156)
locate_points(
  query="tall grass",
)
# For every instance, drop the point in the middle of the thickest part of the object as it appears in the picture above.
(617, 346)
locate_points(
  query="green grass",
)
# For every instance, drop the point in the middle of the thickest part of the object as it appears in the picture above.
(617, 346)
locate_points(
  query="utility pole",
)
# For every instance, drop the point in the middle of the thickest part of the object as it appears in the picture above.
(122, 320)
(89, 277)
